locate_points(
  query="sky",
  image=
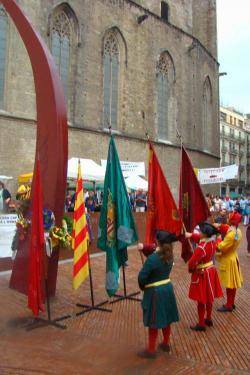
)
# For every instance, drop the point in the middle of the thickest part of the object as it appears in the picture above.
(233, 25)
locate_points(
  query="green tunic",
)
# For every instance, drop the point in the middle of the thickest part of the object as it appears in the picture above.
(158, 304)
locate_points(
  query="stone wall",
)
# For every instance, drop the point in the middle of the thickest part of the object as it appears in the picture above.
(141, 46)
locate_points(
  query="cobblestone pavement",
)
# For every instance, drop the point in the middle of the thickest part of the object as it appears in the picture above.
(101, 342)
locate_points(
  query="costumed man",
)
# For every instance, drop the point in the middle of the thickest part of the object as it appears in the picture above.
(158, 304)
(205, 285)
(229, 267)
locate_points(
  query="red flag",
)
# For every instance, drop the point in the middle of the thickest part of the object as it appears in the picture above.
(162, 211)
(192, 203)
(36, 250)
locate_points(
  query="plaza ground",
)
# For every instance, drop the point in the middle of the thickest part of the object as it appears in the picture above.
(101, 342)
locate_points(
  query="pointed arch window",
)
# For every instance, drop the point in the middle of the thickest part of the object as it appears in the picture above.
(61, 37)
(206, 112)
(164, 76)
(3, 47)
(111, 57)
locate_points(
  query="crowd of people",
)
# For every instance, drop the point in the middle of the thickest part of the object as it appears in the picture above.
(218, 204)
(93, 200)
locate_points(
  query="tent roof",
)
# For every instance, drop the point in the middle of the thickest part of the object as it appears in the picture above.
(2, 177)
(25, 178)
(91, 171)
(136, 182)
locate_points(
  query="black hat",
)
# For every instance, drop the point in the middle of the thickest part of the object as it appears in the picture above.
(208, 229)
(164, 237)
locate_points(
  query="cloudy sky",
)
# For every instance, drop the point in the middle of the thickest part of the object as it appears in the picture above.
(234, 52)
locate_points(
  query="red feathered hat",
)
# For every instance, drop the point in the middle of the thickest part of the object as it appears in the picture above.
(224, 229)
(234, 218)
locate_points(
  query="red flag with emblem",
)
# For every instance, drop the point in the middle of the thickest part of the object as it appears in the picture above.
(162, 213)
(193, 207)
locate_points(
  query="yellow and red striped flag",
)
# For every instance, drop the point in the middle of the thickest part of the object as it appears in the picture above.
(80, 236)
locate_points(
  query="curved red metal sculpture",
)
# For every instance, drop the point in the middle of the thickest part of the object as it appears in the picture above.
(52, 138)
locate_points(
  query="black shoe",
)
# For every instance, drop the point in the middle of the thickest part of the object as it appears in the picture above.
(225, 309)
(164, 347)
(209, 322)
(147, 354)
(198, 328)
(234, 307)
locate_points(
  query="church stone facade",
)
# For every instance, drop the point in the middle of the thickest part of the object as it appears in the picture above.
(140, 67)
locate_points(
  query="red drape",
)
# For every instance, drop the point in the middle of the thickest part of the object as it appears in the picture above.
(36, 298)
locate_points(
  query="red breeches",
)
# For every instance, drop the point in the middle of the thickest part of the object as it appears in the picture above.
(202, 309)
(230, 297)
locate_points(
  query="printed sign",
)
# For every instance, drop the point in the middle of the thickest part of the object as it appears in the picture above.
(217, 175)
(7, 231)
(129, 168)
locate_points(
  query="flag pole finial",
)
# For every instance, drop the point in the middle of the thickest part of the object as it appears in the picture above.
(147, 136)
(179, 136)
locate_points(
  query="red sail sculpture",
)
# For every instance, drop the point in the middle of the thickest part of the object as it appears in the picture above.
(52, 138)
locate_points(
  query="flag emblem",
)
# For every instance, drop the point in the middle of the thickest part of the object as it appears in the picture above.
(110, 221)
(185, 203)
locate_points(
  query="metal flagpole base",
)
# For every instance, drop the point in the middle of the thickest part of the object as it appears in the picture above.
(88, 308)
(130, 297)
(41, 322)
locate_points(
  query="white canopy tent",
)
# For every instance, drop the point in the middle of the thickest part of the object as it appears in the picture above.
(136, 182)
(5, 178)
(91, 171)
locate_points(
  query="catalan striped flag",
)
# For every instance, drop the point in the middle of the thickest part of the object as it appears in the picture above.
(80, 236)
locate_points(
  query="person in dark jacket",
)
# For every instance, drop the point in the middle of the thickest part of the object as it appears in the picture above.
(5, 198)
(158, 304)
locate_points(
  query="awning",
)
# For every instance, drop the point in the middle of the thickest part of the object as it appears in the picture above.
(25, 178)
(136, 182)
(91, 171)
(2, 177)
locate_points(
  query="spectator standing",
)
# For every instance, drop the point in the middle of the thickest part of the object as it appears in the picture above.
(140, 201)
(247, 212)
(222, 217)
(5, 198)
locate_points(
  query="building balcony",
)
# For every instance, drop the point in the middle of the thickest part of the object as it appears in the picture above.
(241, 140)
(233, 151)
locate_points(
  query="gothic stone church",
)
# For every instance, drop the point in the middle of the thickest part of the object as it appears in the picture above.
(137, 66)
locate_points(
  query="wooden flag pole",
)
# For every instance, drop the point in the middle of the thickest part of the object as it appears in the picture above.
(88, 308)
(183, 225)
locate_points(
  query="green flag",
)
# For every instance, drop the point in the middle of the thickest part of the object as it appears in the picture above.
(116, 226)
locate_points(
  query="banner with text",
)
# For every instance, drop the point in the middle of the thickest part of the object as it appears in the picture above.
(7, 231)
(129, 168)
(217, 175)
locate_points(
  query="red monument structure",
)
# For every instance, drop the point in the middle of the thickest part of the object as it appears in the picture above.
(52, 139)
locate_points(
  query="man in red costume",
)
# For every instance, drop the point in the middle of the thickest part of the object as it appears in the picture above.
(205, 285)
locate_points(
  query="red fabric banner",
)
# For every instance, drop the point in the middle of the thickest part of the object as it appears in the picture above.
(192, 203)
(162, 213)
(36, 298)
